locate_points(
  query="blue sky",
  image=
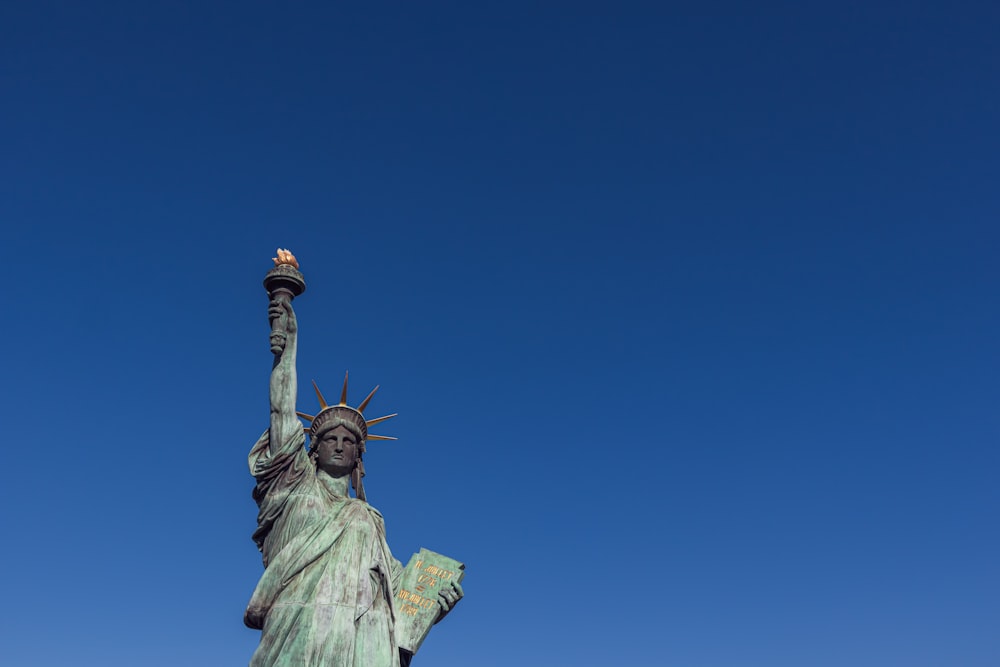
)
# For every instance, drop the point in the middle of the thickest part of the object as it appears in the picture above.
(688, 310)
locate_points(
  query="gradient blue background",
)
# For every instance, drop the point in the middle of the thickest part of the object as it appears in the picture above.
(689, 311)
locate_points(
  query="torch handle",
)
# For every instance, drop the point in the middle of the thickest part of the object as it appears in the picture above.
(283, 283)
(279, 325)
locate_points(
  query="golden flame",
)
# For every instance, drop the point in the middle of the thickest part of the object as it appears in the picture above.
(285, 257)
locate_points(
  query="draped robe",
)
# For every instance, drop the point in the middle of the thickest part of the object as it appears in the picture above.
(326, 595)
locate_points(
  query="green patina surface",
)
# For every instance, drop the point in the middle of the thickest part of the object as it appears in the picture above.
(329, 593)
(416, 601)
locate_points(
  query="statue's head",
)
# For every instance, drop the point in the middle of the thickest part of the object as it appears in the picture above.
(337, 450)
(337, 437)
(331, 417)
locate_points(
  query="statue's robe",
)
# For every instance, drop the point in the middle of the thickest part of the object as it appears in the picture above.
(325, 598)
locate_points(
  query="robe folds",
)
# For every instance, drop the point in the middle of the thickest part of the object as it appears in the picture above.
(326, 595)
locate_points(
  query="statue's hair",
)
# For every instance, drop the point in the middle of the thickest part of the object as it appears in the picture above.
(333, 423)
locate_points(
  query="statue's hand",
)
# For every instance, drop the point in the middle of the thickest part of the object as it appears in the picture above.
(448, 597)
(283, 323)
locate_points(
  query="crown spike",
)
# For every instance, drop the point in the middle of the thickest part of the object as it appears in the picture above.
(380, 419)
(343, 392)
(319, 395)
(380, 437)
(305, 416)
(364, 403)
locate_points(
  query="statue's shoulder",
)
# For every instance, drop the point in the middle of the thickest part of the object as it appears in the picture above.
(360, 505)
(372, 510)
(374, 513)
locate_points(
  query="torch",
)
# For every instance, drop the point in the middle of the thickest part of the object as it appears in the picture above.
(283, 283)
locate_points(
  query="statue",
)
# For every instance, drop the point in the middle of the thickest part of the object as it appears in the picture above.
(326, 597)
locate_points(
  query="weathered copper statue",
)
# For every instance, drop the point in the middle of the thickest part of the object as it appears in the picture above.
(326, 597)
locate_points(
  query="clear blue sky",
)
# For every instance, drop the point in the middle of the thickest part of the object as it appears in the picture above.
(689, 312)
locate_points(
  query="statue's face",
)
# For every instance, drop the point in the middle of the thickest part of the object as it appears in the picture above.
(337, 451)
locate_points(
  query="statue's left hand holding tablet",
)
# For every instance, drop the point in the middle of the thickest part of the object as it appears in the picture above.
(448, 597)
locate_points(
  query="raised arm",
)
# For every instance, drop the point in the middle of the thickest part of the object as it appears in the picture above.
(284, 382)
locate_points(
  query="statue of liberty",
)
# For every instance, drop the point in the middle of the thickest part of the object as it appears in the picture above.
(326, 597)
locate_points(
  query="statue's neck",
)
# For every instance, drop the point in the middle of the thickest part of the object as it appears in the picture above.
(335, 485)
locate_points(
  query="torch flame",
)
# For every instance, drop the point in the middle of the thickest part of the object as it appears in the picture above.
(285, 257)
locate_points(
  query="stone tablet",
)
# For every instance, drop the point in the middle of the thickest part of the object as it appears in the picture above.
(416, 602)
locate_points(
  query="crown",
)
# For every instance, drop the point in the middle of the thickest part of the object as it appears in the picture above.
(342, 413)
